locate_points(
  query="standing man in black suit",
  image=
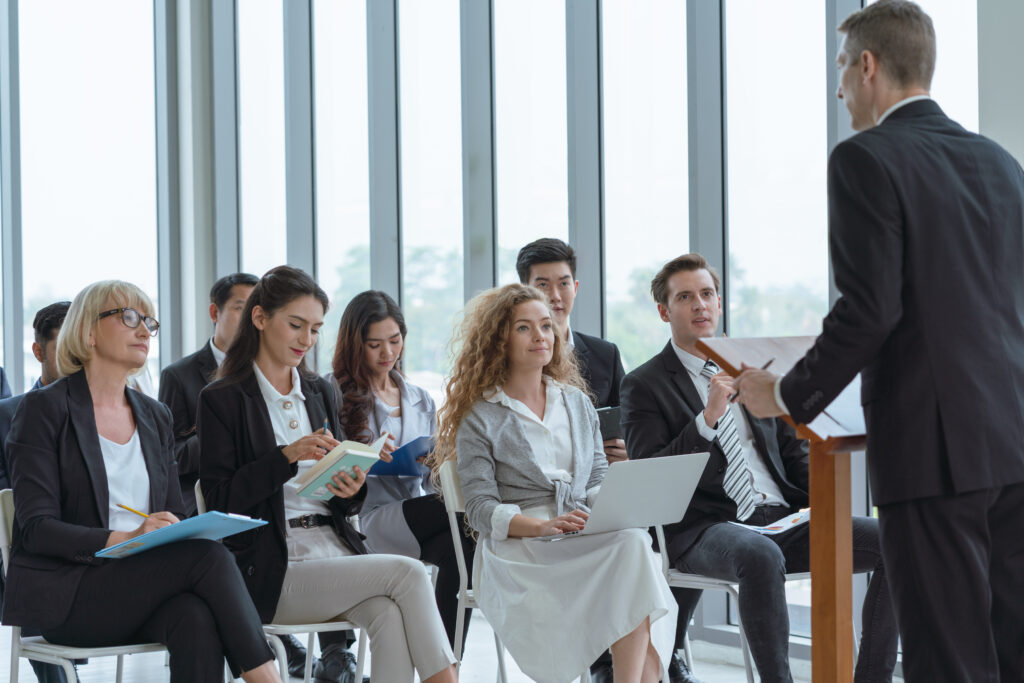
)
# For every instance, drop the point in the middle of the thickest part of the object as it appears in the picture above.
(181, 382)
(678, 402)
(926, 224)
(550, 265)
(45, 326)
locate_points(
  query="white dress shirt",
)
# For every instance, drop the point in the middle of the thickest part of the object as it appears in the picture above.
(218, 355)
(127, 481)
(763, 483)
(290, 422)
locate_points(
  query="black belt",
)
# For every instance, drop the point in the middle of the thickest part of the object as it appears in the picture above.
(310, 521)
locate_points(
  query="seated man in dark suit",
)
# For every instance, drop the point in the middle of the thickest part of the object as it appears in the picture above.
(181, 382)
(46, 326)
(550, 265)
(679, 402)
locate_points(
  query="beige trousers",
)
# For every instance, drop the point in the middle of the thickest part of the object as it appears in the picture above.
(388, 595)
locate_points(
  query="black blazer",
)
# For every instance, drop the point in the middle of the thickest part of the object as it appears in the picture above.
(660, 405)
(180, 384)
(242, 470)
(926, 230)
(601, 367)
(61, 496)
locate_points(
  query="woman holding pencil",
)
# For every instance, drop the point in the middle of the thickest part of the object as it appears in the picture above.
(260, 425)
(88, 457)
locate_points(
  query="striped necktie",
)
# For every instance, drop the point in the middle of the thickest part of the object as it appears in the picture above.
(738, 478)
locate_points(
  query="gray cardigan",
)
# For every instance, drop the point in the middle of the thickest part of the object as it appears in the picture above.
(496, 464)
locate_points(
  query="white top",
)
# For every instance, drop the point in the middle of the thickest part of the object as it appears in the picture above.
(218, 355)
(127, 481)
(763, 481)
(290, 422)
(908, 100)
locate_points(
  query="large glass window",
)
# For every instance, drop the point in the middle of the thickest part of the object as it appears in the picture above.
(261, 171)
(776, 160)
(342, 159)
(646, 188)
(531, 157)
(431, 134)
(87, 152)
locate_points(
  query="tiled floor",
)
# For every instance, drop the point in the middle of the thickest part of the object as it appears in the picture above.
(714, 663)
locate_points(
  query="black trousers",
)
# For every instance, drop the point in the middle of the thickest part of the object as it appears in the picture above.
(428, 521)
(955, 567)
(188, 595)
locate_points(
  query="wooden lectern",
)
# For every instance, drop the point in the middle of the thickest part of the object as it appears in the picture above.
(833, 435)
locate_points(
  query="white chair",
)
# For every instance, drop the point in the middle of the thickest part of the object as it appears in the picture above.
(36, 648)
(275, 631)
(451, 492)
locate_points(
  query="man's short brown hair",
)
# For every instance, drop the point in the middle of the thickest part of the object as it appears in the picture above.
(900, 35)
(686, 262)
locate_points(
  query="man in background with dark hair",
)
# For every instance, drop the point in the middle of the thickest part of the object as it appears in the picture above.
(181, 382)
(926, 234)
(678, 402)
(45, 326)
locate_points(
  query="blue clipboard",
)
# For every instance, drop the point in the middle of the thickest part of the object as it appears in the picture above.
(403, 460)
(211, 526)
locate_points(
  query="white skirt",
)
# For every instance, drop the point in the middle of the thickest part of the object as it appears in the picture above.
(558, 605)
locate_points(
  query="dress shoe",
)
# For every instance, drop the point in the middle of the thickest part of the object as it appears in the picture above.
(601, 673)
(337, 665)
(295, 653)
(678, 672)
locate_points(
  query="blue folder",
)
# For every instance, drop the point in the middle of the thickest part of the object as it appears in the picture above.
(211, 526)
(403, 460)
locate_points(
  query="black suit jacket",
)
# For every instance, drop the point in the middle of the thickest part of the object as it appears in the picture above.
(61, 495)
(660, 405)
(242, 470)
(926, 229)
(180, 384)
(601, 367)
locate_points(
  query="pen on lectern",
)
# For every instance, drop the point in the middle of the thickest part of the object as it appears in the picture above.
(125, 507)
(732, 399)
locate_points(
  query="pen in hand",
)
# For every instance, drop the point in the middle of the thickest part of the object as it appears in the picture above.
(732, 399)
(125, 507)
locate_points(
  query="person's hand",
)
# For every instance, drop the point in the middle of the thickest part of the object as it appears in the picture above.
(721, 389)
(311, 447)
(388, 449)
(344, 486)
(571, 521)
(615, 450)
(756, 390)
(156, 520)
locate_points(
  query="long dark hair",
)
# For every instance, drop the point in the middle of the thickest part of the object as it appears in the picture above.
(276, 289)
(349, 368)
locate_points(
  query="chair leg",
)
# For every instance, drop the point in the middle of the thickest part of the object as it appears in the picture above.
(15, 652)
(282, 658)
(69, 671)
(502, 674)
(120, 668)
(361, 655)
(688, 652)
(460, 625)
(307, 671)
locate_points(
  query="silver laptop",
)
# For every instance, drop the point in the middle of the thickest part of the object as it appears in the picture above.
(642, 493)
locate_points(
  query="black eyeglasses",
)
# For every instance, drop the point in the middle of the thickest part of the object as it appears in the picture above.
(131, 318)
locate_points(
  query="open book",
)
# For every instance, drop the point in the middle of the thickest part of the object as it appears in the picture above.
(348, 454)
(211, 526)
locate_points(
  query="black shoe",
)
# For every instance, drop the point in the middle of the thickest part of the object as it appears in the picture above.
(678, 672)
(601, 672)
(337, 665)
(296, 656)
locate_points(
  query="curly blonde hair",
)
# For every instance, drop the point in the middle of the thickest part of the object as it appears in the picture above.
(481, 361)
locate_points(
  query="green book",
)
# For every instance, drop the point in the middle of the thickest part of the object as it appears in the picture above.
(348, 454)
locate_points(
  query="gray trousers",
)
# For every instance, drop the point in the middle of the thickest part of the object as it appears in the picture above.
(388, 595)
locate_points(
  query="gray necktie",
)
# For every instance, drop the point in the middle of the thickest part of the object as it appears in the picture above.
(738, 478)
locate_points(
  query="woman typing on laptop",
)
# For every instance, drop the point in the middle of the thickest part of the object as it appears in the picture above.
(530, 458)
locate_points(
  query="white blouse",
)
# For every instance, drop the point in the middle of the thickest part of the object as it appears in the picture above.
(290, 422)
(127, 481)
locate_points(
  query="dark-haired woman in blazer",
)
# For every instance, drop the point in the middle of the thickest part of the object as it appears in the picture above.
(375, 399)
(260, 425)
(77, 448)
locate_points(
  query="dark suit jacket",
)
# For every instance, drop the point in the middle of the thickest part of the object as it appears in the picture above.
(60, 494)
(8, 407)
(926, 229)
(242, 470)
(180, 384)
(601, 367)
(5, 387)
(660, 405)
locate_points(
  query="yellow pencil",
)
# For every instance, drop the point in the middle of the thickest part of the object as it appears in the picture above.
(125, 507)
